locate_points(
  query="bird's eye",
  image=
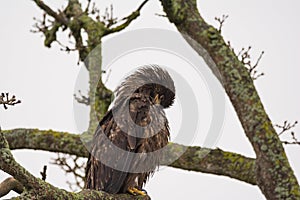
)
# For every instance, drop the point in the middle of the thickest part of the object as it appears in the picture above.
(162, 97)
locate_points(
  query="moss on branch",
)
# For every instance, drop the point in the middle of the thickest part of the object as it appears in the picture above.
(46, 140)
(36, 188)
(75, 18)
(78, 20)
(215, 162)
(274, 175)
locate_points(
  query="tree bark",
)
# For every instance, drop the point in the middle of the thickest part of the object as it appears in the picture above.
(213, 161)
(36, 188)
(10, 184)
(76, 19)
(274, 175)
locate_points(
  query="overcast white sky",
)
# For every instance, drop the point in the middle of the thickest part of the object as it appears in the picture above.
(44, 79)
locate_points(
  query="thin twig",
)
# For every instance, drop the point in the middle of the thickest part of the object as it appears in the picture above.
(286, 126)
(5, 100)
(221, 21)
(245, 58)
(82, 99)
(72, 165)
(161, 15)
(127, 20)
(43, 173)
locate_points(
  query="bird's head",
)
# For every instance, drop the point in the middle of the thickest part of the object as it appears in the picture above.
(158, 94)
(152, 81)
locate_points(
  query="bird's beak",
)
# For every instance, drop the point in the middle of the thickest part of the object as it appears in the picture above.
(156, 99)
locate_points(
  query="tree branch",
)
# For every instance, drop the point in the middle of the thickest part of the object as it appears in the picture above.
(49, 140)
(82, 99)
(75, 18)
(215, 162)
(127, 19)
(10, 184)
(43, 173)
(39, 189)
(73, 165)
(5, 100)
(221, 21)
(274, 175)
(61, 18)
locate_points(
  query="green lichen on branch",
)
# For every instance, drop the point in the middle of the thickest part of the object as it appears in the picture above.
(49, 140)
(214, 161)
(79, 20)
(36, 188)
(274, 175)
(52, 141)
(217, 162)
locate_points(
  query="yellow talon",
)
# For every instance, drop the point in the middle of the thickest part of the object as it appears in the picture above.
(135, 191)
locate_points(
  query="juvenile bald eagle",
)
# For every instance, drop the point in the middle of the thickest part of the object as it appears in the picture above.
(126, 145)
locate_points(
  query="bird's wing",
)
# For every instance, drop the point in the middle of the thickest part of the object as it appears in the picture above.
(103, 162)
(108, 166)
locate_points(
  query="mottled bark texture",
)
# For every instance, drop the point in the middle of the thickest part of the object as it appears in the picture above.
(35, 188)
(274, 176)
(213, 161)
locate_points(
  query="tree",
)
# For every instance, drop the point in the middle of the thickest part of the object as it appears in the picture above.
(208, 42)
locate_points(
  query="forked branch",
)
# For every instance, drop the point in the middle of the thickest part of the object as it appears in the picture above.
(285, 128)
(221, 21)
(5, 100)
(245, 58)
(127, 20)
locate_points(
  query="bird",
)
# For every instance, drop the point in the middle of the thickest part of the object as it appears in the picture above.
(127, 145)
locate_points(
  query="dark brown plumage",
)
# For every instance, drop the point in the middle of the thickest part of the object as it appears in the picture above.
(125, 146)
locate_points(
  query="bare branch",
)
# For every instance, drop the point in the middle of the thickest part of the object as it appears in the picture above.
(72, 165)
(82, 99)
(43, 173)
(62, 19)
(216, 162)
(107, 76)
(161, 15)
(221, 21)
(59, 17)
(5, 100)
(95, 11)
(245, 58)
(286, 126)
(294, 140)
(108, 18)
(127, 19)
(87, 7)
(230, 46)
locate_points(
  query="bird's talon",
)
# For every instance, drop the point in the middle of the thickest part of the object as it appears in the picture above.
(135, 191)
